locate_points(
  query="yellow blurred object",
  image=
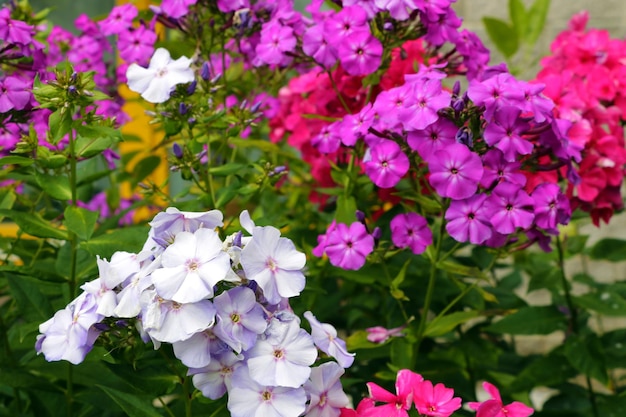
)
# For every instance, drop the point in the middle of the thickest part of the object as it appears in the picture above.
(150, 137)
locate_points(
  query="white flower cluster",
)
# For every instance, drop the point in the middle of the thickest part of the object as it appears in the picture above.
(223, 305)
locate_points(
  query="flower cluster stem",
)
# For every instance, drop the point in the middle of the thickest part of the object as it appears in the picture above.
(430, 289)
(574, 319)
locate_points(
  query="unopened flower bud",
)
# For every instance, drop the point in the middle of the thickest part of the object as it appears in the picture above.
(243, 104)
(255, 107)
(177, 150)
(237, 239)
(456, 89)
(458, 105)
(72, 90)
(215, 79)
(73, 77)
(377, 233)
(205, 71)
(360, 216)
(183, 109)
(191, 120)
(388, 26)
(464, 136)
(192, 87)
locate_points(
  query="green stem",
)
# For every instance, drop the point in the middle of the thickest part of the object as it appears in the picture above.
(339, 95)
(574, 319)
(69, 393)
(430, 289)
(187, 393)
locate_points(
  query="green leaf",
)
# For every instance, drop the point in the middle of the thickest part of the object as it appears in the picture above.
(442, 325)
(536, 20)
(145, 167)
(519, 17)
(587, 356)
(396, 292)
(531, 320)
(88, 147)
(402, 352)
(16, 160)
(604, 302)
(358, 340)
(462, 270)
(346, 209)
(80, 221)
(132, 405)
(129, 239)
(263, 145)
(576, 244)
(34, 224)
(56, 186)
(609, 249)
(227, 169)
(501, 34)
(60, 124)
(26, 292)
(550, 370)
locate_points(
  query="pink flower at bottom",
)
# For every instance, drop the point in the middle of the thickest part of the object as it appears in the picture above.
(435, 401)
(396, 405)
(494, 407)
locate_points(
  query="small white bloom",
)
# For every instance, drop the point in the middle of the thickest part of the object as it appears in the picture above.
(156, 82)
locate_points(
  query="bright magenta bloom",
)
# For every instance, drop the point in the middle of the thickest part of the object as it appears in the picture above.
(435, 401)
(494, 407)
(396, 405)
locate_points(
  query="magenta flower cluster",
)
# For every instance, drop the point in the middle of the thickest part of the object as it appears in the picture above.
(223, 304)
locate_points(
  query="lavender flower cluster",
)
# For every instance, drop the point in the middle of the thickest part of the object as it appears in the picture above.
(224, 307)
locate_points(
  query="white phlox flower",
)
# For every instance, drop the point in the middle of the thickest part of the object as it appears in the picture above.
(156, 82)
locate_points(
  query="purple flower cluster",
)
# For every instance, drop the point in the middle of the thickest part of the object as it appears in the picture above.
(223, 304)
(21, 49)
(478, 154)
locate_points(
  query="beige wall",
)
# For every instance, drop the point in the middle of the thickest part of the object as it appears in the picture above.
(605, 14)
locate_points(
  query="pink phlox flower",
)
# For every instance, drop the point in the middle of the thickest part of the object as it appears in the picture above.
(435, 401)
(325, 391)
(119, 20)
(226, 6)
(427, 98)
(347, 247)
(506, 131)
(398, 404)
(328, 139)
(318, 45)
(325, 338)
(510, 207)
(14, 31)
(274, 263)
(344, 23)
(398, 9)
(176, 8)
(495, 408)
(360, 53)
(455, 171)
(495, 92)
(411, 230)
(322, 240)
(379, 334)
(137, 45)
(551, 206)
(435, 136)
(442, 27)
(468, 220)
(14, 93)
(387, 164)
(497, 170)
(276, 40)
